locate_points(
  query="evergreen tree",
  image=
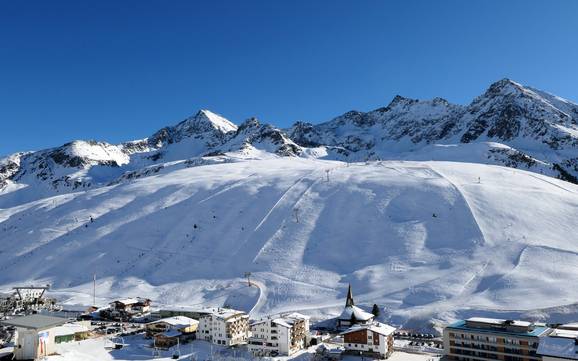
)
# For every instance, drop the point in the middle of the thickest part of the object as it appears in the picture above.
(375, 310)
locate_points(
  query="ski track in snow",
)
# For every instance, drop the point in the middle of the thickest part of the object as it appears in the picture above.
(247, 222)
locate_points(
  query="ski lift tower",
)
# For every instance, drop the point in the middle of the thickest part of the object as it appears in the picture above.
(32, 297)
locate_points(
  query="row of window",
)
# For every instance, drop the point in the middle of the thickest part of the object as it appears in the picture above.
(494, 356)
(493, 339)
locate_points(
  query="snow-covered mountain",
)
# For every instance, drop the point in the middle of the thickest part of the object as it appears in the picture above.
(424, 239)
(509, 125)
(413, 203)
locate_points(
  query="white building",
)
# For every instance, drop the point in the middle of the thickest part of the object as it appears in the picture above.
(223, 326)
(34, 335)
(560, 344)
(281, 336)
(376, 338)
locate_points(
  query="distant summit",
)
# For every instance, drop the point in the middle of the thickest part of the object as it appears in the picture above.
(509, 125)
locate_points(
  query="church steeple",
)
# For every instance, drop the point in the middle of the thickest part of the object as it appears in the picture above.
(349, 301)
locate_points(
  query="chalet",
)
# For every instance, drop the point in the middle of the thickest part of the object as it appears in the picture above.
(372, 340)
(282, 336)
(126, 308)
(353, 315)
(223, 326)
(169, 331)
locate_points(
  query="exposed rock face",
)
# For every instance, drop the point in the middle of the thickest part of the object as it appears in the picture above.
(536, 125)
(508, 125)
(252, 135)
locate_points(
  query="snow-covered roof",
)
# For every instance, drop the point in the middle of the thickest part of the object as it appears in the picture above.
(283, 322)
(177, 321)
(297, 316)
(569, 326)
(359, 314)
(127, 301)
(376, 327)
(223, 313)
(566, 333)
(69, 329)
(562, 347)
(499, 322)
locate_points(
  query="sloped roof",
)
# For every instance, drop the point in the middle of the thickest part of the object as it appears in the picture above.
(177, 321)
(359, 314)
(35, 322)
(297, 316)
(376, 327)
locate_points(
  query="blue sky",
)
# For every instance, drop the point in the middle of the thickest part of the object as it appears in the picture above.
(119, 70)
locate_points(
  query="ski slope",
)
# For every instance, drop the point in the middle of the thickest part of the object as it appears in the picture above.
(423, 239)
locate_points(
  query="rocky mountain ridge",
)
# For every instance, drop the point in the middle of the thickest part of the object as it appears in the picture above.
(510, 125)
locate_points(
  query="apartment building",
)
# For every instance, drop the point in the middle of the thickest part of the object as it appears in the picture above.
(223, 326)
(375, 339)
(478, 339)
(282, 336)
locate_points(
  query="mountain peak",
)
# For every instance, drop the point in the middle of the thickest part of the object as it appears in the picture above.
(250, 123)
(204, 118)
(505, 86)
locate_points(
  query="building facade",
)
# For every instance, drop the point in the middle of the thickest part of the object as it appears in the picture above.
(478, 339)
(34, 336)
(224, 326)
(281, 336)
(70, 332)
(371, 340)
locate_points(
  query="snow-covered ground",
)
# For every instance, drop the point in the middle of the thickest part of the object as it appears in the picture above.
(138, 348)
(422, 239)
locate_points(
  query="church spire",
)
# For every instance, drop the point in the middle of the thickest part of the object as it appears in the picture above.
(349, 301)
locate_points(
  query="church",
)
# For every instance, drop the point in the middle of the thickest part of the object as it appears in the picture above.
(353, 315)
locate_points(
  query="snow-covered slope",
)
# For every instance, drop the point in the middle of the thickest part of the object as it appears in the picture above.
(422, 238)
(411, 203)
